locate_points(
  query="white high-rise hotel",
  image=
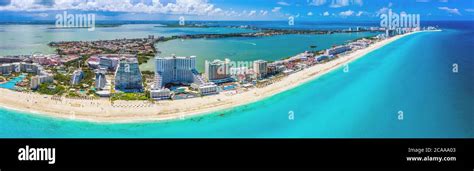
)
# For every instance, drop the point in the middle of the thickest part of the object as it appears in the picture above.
(174, 70)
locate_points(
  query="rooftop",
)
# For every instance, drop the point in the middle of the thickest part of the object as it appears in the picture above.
(175, 57)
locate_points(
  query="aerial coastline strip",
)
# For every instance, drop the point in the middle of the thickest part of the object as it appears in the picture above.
(105, 111)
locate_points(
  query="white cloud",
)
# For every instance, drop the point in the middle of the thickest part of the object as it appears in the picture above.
(283, 3)
(22, 5)
(384, 10)
(343, 3)
(317, 2)
(189, 7)
(360, 13)
(469, 9)
(310, 13)
(253, 12)
(450, 10)
(263, 12)
(339, 3)
(243, 13)
(326, 13)
(346, 13)
(230, 13)
(276, 9)
(336, 3)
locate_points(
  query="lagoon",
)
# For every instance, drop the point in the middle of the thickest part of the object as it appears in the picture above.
(250, 49)
(28, 39)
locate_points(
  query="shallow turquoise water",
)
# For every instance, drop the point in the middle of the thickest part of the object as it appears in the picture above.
(413, 75)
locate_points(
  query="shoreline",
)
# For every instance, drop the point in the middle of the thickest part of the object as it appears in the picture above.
(103, 111)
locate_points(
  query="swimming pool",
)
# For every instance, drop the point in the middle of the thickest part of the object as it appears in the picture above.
(11, 84)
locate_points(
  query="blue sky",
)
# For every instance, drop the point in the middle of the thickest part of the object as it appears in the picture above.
(17, 10)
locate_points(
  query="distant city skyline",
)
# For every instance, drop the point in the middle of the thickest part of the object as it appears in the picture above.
(310, 10)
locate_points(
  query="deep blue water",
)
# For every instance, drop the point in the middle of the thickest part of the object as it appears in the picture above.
(412, 75)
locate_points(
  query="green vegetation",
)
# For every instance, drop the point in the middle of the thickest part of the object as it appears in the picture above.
(62, 79)
(72, 94)
(88, 76)
(144, 81)
(86, 82)
(143, 58)
(148, 73)
(322, 52)
(130, 96)
(51, 89)
(169, 38)
(368, 37)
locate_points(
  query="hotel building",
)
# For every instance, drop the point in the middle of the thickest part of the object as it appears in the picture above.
(203, 87)
(208, 89)
(30, 68)
(36, 81)
(6, 69)
(40, 77)
(109, 63)
(241, 74)
(177, 70)
(77, 76)
(337, 50)
(218, 71)
(128, 77)
(260, 68)
(160, 94)
(100, 80)
(361, 44)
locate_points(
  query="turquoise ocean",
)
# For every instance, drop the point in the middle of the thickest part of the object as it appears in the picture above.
(413, 75)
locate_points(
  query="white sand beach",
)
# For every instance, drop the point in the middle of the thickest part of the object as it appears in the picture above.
(102, 110)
